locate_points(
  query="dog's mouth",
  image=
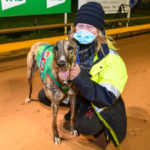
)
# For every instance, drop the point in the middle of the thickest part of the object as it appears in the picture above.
(63, 74)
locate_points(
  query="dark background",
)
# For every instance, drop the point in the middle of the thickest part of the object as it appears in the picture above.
(142, 8)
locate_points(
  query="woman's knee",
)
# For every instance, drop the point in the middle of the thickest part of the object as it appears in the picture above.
(42, 98)
(88, 125)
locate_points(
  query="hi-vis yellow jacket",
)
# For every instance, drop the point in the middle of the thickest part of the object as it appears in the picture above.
(110, 72)
(102, 88)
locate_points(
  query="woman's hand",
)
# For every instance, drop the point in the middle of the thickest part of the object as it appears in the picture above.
(74, 71)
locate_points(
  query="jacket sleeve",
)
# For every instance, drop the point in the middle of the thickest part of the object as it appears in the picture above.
(93, 91)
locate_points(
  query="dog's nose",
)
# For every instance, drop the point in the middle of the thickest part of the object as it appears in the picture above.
(61, 63)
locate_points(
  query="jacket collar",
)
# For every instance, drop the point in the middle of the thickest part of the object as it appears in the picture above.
(101, 54)
(105, 50)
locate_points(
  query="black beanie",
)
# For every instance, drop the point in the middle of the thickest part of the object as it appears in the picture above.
(91, 13)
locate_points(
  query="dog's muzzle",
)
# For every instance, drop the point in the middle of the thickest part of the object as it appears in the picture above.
(61, 63)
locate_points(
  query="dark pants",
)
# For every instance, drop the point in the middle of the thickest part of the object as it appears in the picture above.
(87, 122)
(43, 99)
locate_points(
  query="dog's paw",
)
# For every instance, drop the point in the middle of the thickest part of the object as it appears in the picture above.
(56, 140)
(74, 132)
(28, 100)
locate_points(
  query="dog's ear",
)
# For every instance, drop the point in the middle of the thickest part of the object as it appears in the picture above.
(55, 48)
(72, 41)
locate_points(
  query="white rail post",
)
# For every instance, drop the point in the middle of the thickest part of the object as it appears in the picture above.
(128, 16)
(65, 22)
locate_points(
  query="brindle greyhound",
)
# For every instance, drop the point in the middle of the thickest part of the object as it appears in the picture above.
(64, 57)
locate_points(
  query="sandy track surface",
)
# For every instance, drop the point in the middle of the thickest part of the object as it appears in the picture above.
(28, 126)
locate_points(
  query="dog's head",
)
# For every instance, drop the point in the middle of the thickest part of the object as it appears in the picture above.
(64, 55)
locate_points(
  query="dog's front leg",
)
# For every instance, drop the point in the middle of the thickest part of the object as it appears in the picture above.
(73, 117)
(56, 138)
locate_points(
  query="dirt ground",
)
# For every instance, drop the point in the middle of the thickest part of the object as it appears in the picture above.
(28, 126)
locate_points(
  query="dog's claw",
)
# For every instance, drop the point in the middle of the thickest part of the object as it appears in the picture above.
(28, 100)
(74, 132)
(56, 140)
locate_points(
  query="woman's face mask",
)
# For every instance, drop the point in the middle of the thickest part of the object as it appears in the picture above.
(84, 37)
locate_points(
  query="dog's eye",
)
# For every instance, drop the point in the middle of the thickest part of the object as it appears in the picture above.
(56, 48)
(70, 48)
